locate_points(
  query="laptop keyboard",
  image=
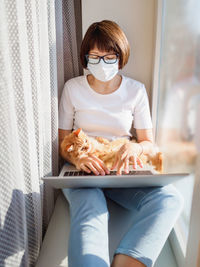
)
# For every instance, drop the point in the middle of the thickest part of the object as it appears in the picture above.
(82, 173)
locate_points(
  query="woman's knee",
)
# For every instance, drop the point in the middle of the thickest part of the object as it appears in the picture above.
(172, 197)
(167, 197)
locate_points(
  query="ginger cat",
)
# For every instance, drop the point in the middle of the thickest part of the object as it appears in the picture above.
(78, 143)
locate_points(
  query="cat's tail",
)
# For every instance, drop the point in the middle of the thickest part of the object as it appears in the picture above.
(157, 161)
(160, 162)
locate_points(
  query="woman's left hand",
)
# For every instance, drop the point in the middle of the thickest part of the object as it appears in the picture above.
(128, 152)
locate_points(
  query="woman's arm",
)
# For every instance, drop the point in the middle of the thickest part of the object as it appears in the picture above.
(145, 140)
(132, 151)
(62, 134)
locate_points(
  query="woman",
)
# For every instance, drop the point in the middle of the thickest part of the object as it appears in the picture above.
(106, 104)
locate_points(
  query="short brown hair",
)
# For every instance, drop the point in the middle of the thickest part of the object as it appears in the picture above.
(108, 36)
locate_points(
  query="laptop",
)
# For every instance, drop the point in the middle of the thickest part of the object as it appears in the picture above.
(70, 177)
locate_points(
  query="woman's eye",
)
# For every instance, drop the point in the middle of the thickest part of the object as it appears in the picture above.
(110, 57)
(93, 57)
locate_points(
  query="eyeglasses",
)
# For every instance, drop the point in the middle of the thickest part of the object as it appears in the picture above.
(108, 59)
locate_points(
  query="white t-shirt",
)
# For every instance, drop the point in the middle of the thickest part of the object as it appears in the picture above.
(110, 115)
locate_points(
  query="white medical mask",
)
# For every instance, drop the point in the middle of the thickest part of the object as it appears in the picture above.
(103, 71)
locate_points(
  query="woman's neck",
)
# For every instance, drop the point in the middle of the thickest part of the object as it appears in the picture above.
(104, 87)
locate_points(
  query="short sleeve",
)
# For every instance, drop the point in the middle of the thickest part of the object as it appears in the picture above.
(66, 111)
(142, 116)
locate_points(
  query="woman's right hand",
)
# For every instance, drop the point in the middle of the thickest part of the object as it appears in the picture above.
(93, 164)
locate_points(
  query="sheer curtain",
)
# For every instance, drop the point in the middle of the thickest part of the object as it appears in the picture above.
(68, 42)
(28, 124)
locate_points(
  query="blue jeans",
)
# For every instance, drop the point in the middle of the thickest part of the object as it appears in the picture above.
(156, 210)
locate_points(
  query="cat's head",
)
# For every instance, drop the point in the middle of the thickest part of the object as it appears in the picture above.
(77, 141)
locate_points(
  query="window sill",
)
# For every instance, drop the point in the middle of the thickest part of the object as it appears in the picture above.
(178, 242)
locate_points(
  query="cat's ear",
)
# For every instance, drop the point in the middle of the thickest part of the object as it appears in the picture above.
(77, 132)
(69, 148)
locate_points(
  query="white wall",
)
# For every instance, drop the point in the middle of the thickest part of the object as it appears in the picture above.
(137, 20)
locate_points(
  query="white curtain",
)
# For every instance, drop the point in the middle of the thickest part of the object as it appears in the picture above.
(28, 126)
(68, 42)
(39, 47)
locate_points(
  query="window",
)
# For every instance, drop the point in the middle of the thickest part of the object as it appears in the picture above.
(176, 98)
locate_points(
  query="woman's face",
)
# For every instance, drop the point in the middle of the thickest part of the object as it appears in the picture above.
(103, 65)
